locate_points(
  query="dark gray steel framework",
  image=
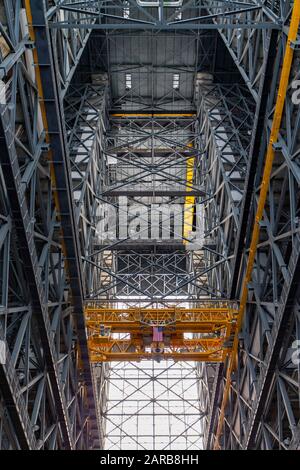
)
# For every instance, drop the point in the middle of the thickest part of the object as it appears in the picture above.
(263, 410)
(46, 382)
(50, 258)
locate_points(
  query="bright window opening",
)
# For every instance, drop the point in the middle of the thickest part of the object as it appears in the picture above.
(128, 83)
(126, 10)
(178, 14)
(176, 81)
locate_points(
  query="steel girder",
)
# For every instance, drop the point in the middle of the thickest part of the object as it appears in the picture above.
(43, 388)
(263, 404)
(277, 263)
(190, 15)
(85, 108)
(225, 123)
(242, 56)
(86, 121)
(130, 141)
(128, 166)
(68, 44)
(249, 48)
(225, 119)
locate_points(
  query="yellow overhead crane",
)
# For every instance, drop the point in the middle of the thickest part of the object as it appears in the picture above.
(133, 334)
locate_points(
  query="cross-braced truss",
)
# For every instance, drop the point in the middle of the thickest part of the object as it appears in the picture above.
(263, 403)
(153, 406)
(160, 15)
(45, 394)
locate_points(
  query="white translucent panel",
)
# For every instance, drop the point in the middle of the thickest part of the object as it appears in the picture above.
(153, 406)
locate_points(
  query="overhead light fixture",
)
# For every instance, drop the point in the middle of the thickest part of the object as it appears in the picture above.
(128, 83)
(176, 81)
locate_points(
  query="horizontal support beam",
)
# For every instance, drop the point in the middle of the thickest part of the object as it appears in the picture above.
(138, 244)
(146, 114)
(137, 357)
(154, 193)
(165, 27)
(219, 308)
(197, 320)
(135, 300)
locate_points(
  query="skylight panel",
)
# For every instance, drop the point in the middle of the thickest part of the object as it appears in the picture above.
(176, 81)
(128, 82)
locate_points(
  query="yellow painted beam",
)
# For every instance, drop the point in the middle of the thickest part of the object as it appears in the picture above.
(224, 309)
(194, 320)
(189, 204)
(139, 356)
(47, 139)
(108, 349)
(41, 98)
(107, 342)
(277, 118)
(137, 327)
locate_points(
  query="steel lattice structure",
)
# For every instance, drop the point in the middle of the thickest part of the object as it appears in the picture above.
(161, 104)
(262, 402)
(154, 406)
(44, 388)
